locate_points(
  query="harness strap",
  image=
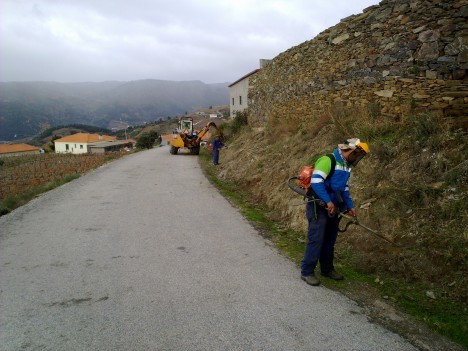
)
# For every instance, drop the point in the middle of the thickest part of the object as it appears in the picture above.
(329, 176)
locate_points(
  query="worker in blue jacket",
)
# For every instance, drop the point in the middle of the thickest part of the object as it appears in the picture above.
(329, 184)
(216, 145)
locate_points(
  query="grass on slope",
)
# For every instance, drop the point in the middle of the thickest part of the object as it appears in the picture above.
(444, 316)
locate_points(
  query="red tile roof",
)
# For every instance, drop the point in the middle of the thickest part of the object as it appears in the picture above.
(11, 148)
(85, 138)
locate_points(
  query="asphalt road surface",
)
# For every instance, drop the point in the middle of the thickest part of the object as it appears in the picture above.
(144, 254)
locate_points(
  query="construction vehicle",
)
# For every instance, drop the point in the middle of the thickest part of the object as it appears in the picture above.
(186, 137)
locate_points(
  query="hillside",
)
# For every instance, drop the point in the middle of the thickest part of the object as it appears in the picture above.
(28, 108)
(163, 126)
(394, 76)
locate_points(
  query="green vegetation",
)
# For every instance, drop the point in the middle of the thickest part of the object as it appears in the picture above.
(240, 120)
(146, 140)
(414, 70)
(15, 201)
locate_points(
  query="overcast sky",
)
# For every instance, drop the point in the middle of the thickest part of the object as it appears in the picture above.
(209, 40)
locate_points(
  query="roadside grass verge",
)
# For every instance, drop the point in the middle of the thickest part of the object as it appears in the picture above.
(15, 201)
(441, 315)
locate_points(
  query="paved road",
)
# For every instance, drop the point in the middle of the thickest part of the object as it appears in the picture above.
(144, 254)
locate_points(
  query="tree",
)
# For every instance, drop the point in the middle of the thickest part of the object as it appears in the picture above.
(147, 139)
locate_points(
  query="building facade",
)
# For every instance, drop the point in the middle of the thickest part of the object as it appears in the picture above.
(238, 94)
(79, 143)
(239, 91)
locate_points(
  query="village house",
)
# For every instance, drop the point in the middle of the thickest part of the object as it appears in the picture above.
(80, 143)
(7, 150)
(102, 147)
(239, 91)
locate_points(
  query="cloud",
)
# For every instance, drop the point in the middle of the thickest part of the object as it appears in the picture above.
(212, 41)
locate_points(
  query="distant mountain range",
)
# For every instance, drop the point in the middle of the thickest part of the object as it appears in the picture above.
(27, 108)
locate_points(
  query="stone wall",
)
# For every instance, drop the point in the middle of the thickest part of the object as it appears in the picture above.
(398, 57)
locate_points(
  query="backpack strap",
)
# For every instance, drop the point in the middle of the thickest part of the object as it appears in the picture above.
(333, 166)
(310, 191)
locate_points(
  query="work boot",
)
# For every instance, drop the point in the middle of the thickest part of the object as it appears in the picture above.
(311, 279)
(333, 275)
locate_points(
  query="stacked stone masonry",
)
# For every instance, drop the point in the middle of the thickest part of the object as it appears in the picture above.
(400, 56)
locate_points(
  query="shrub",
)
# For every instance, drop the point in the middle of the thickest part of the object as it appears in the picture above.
(146, 140)
(240, 120)
(424, 125)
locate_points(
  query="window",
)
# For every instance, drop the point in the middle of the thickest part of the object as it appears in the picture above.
(67, 147)
(240, 99)
(232, 101)
(81, 147)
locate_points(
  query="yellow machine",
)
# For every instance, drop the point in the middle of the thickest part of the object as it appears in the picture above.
(188, 138)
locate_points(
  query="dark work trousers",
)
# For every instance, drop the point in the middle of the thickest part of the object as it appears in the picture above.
(215, 156)
(321, 236)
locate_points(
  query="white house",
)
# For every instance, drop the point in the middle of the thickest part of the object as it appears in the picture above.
(78, 143)
(239, 90)
(238, 93)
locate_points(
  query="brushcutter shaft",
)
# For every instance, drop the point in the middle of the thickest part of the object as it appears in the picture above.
(354, 220)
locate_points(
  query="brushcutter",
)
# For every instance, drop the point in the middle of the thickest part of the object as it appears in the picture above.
(296, 184)
(355, 221)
